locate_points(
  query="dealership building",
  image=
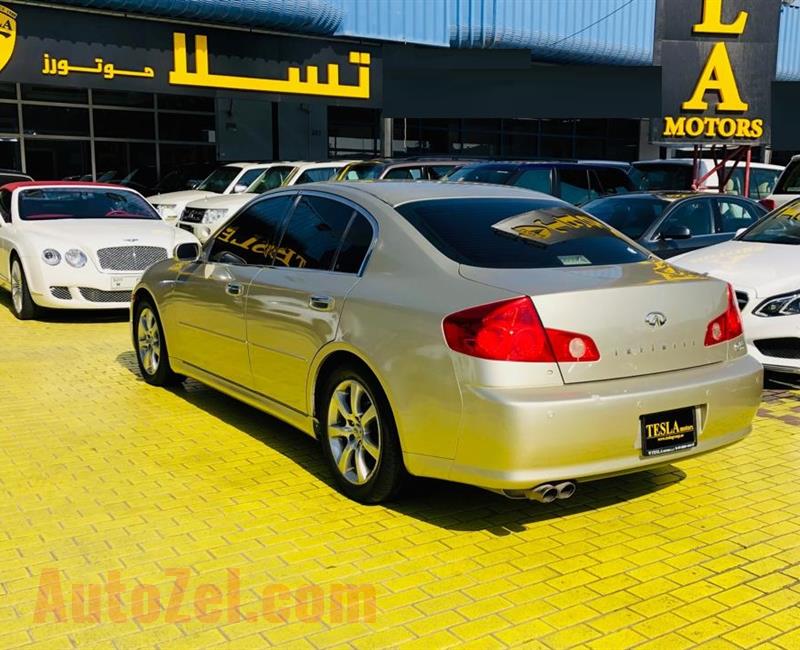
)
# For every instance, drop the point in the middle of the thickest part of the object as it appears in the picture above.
(88, 86)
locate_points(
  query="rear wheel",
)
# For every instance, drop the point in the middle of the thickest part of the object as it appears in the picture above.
(359, 438)
(151, 346)
(21, 302)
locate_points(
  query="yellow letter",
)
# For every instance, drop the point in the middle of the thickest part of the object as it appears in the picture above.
(717, 75)
(712, 20)
(756, 128)
(674, 128)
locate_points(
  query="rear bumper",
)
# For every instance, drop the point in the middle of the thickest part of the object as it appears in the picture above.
(521, 437)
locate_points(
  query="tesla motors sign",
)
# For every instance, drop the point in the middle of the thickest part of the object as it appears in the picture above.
(718, 61)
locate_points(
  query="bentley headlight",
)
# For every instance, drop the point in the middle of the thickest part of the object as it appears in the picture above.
(212, 216)
(51, 256)
(76, 258)
(167, 210)
(785, 305)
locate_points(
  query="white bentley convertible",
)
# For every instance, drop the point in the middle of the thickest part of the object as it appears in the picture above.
(78, 245)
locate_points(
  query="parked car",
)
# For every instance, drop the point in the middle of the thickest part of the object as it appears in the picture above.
(184, 177)
(672, 223)
(787, 187)
(228, 179)
(399, 169)
(762, 265)
(204, 216)
(677, 174)
(72, 245)
(452, 331)
(574, 182)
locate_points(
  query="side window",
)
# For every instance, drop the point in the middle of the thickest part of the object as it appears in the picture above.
(249, 238)
(435, 172)
(313, 234)
(762, 182)
(404, 174)
(5, 205)
(734, 215)
(575, 186)
(536, 179)
(609, 180)
(355, 245)
(695, 215)
(249, 177)
(316, 175)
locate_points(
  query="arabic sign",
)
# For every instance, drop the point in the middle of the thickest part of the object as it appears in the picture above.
(550, 226)
(150, 56)
(718, 61)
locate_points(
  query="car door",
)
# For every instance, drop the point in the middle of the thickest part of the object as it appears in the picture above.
(733, 214)
(697, 215)
(294, 305)
(209, 296)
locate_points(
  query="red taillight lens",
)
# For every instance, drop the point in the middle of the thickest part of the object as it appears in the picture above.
(511, 330)
(727, 326)
(769, 204)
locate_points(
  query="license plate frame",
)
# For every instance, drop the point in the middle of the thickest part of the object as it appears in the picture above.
(124, 282)
(668, 432)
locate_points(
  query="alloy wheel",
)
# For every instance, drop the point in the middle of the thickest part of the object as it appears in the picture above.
(16, 287)
(354, 432)
(149, 339)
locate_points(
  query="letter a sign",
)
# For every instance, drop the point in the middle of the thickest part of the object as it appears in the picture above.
(8, 35)
(718, 60)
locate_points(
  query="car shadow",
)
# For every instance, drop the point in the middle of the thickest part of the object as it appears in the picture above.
(72, 315)
(451, 506)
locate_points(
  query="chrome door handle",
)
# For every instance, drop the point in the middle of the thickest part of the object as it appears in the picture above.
(233, 289)
(321, 303)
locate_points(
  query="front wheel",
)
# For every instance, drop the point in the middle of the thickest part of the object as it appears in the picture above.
(151, 346)
(359, 438)
(21, 302)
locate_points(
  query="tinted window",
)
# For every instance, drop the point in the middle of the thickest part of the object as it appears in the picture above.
(780, 227)
(535, 179)
(435, 172)
(355, 245)
(314, 233)
(656, 176)
(789, 182)
(220, 180)
(250, 237)
(363, 171)
(735, 215)
(404, 174)
(272, 178)
(249, 177)
(611, 181)
(517, 233)
(494, 174)
(694, 214)
(575, 186)
(630, 216)
(68, 203)
(316, 175)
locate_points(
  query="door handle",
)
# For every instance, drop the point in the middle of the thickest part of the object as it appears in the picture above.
(233, 289)
(321, 303)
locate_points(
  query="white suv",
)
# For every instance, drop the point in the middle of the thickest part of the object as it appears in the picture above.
(204, 216)
(228, 179)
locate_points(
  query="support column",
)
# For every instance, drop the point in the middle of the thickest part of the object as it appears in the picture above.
(387, 135)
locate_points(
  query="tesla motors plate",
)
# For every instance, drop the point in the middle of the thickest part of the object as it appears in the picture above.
(669, 431)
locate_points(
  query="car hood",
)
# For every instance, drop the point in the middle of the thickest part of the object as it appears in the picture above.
(224, 202)
(183, 196)
(761, 269)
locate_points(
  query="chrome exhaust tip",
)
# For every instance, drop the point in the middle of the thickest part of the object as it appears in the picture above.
(566, 489)
(545, 493)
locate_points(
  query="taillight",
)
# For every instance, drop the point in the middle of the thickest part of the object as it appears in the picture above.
(511, 330)
(727, 326)
(769, 204)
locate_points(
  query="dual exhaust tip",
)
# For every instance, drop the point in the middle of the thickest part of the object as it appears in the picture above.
(545, 493)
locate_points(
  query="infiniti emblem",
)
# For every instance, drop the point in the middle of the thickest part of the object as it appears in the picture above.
(655, 319)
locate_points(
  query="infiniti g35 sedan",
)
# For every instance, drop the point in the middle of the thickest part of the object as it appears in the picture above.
(475, 333)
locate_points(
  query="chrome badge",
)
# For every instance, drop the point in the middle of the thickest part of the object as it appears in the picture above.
(655, 319)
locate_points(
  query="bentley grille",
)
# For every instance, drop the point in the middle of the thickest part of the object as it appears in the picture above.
(130, 258)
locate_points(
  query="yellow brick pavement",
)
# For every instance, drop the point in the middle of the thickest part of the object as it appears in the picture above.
(100, 473)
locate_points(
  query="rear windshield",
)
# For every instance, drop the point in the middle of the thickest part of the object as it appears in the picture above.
(779, 227)
(655, 176)
(68, 203)
(363, 171)
(517, 233)
(494, 174)
(219, 180)
(789, 182)
(631, 216)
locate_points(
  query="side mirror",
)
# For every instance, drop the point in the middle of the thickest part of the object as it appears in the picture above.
(676, 232)
(238, 189)
(186, 252)
(740, 232)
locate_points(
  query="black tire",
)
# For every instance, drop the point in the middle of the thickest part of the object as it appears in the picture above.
(22, 304)
(386, 474)
(148, 336)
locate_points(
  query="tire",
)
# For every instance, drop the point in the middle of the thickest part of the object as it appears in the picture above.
(21, 302)
(151, 346)
(359, 437)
